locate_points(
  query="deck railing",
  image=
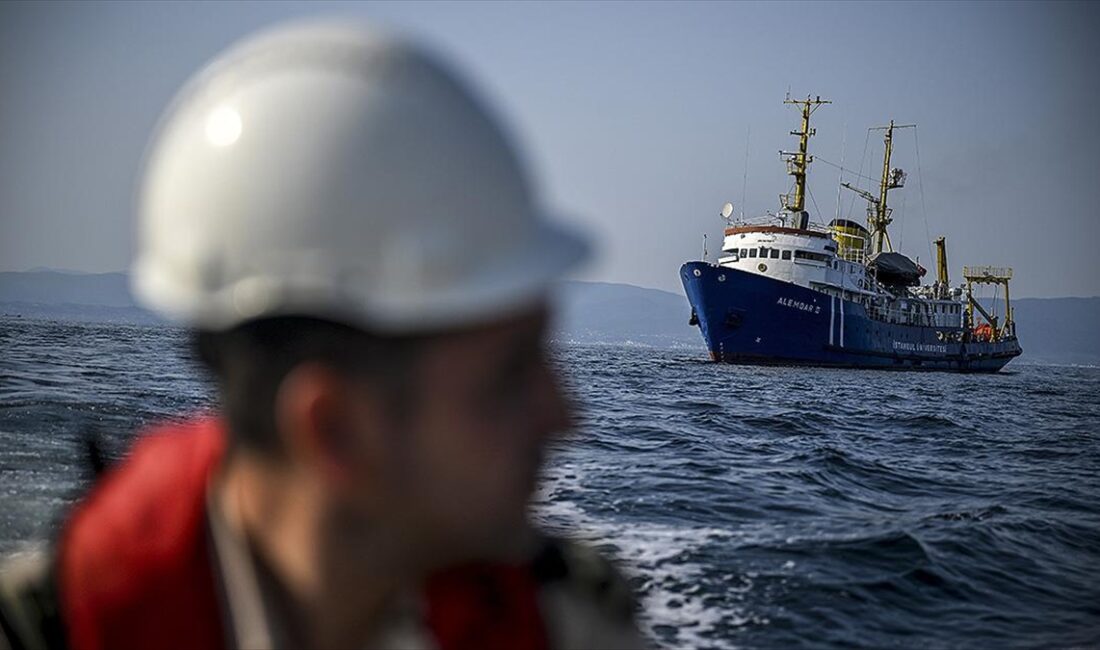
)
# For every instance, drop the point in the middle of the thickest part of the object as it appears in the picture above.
(974, 273)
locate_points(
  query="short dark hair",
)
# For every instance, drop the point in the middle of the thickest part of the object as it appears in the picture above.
(251, 360)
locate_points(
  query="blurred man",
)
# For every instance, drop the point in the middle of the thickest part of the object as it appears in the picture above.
(354, 242)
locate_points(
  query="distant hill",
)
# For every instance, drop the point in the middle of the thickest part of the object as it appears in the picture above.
(1059, 330)
(66, 287)
(1052, 330)
(71, 296)
(599, 312)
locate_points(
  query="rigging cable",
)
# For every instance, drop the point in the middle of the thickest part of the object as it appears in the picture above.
(745, 178)
(840, 178)
(920, 184)
(901, 225)
(862, 161)
(813, 200)
(844, 169)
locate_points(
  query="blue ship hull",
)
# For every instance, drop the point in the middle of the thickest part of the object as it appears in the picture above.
(753, 319)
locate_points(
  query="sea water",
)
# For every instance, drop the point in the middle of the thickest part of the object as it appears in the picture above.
(752, 507)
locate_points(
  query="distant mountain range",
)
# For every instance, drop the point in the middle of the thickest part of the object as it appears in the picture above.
(1052, 330)
(69, 295)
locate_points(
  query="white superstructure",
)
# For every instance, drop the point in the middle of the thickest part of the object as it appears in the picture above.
(808, 257)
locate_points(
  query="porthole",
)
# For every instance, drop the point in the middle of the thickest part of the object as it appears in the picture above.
(762, 267)
(697, 272)
(722, 278)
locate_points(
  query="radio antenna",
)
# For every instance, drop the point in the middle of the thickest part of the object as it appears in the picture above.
(745, 177)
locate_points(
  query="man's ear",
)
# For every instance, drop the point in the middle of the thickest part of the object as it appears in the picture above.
(324, 423)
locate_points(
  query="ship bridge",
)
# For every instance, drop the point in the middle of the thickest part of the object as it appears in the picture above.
(806, 256)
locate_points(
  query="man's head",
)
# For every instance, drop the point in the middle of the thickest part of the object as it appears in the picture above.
(438, 438)
(356, 239)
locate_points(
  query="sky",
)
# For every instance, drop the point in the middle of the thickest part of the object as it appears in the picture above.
(638, 120)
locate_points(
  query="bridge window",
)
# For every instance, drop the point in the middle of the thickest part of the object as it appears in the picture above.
(763, 251)
(744, 252)
(752, 252)
(811, 255)
(786, 255)
(775, 253)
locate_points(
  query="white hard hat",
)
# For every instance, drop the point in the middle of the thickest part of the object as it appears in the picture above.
(331, 171)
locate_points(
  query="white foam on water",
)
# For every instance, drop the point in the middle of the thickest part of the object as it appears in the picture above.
(21, 555)
(672, 594)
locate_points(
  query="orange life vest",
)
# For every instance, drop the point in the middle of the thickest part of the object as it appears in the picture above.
(135, 568)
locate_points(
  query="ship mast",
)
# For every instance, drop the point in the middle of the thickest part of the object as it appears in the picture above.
(799, 161)
(878, 212)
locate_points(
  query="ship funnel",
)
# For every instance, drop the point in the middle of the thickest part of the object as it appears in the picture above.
(851, 239)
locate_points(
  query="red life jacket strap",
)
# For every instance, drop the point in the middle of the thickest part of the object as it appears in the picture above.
(134, 566)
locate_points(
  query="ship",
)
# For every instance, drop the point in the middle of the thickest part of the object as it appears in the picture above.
(788, 290)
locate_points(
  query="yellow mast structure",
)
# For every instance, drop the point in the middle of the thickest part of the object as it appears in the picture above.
(798, 162)
(878, 212)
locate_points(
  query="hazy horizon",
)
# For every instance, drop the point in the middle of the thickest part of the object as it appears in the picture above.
(634, 119)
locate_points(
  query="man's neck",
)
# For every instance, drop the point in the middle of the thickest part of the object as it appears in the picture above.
(331, 585)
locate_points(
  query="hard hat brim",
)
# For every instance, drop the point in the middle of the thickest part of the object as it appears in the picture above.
(510, 285)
